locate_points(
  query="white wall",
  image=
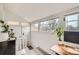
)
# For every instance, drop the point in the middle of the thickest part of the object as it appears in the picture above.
(43, 39)
(1, 11)
(46, 39)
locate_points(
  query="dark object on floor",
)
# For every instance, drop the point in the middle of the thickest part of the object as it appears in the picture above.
(7, 48)
(30, 47)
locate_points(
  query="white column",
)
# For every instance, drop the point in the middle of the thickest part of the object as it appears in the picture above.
(29, 37)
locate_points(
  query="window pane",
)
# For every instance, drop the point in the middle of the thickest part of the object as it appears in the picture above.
(72, 25)
(24, 24)
(34, 27)
(13, 23)
(48, 25)
(72, 17)
(44, 26)
(25, 30)
(72, 22)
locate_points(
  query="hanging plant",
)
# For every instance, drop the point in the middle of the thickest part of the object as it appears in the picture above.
(4, 27)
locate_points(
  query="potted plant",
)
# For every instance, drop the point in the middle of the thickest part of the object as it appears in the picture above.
(3, 30)
(4, 27)
(59, 32)
(11, 34)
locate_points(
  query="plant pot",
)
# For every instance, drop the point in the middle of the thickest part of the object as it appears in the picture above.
(60, 39)
(60, 42)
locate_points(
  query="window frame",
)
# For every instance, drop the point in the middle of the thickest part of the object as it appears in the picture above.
(39, 24)
(66, 22)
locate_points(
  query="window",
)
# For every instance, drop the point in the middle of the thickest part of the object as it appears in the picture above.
(25, 28)
(13, 23)
(44, 26)
(24, 24)
(48, 25)
(34, 27)
(72, 22)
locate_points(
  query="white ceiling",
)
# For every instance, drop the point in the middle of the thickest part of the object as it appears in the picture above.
(34, 11)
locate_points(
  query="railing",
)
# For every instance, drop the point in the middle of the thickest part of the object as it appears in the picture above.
(21, 43)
